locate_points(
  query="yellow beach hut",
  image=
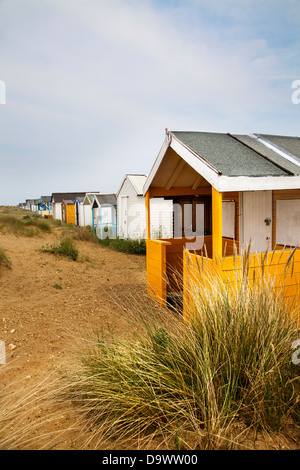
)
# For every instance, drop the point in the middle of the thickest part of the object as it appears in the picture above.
(227, 191)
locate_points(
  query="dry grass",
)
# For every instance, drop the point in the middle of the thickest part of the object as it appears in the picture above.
(202, 384)
(4, 260)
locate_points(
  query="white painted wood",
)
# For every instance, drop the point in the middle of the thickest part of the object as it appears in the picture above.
(132, 215)
(57, 211)
(257, 207)
(288, 222)
(161, 218)
(87, 215)
(248, 183)
(123, 217)
(228, 219)
(81, 214)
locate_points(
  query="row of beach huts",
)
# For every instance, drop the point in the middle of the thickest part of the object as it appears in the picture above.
(110, 215)
(207, 196)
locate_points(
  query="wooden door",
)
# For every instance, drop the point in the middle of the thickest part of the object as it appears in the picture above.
(257, 220)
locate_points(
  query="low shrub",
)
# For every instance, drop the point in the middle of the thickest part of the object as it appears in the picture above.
(65, 248)
(134, 247)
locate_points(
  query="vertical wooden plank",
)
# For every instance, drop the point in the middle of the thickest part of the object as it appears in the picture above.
(147, 203)
(156, 270)
(216, 224)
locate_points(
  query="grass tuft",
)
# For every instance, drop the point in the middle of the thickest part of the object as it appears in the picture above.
(65, 248)
(133, 247)
(198, 384)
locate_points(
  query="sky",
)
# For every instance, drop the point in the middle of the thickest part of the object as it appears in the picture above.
(91, 85)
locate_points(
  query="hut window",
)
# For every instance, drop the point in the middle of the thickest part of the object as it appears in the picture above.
(228, 219)
(192, 216)
(288, 222)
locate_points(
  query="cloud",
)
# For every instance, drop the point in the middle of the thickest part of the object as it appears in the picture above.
(92, 85)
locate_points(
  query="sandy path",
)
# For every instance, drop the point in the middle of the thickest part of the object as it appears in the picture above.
(39, 319)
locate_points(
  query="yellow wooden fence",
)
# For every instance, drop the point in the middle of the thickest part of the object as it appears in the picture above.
(281, 268)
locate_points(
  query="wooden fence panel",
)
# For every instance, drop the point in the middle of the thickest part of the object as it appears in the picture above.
(281, 269)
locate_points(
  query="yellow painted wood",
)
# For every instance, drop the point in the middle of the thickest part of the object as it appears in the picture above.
(216, 223)
(71, 214)
(271, 267)
(156, 270)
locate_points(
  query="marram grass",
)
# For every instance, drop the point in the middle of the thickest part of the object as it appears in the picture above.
(202, 383)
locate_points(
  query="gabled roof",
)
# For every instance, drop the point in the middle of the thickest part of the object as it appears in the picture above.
(137, 182)
(80, 199)
(228, 162)
(45, 198)
(109, 199)
(89, 198)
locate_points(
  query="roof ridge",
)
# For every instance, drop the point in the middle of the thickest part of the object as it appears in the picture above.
(276, 148)
(259, 153)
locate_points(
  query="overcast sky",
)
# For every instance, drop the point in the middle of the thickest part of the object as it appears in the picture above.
(91, 85)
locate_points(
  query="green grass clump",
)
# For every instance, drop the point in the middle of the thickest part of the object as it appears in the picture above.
(57, 286)
(65, 248)
(133, 247)
(4, 260)
(197, 383)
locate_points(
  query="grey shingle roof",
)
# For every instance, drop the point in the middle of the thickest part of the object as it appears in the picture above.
(288, 143)
(277, 159)
(107, 199)
(235, 155)
(137, 182)
(79, 199)
(45, 198)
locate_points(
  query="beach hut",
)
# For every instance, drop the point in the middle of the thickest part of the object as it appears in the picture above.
(88, 208)
(79, 210)
(228, 191)
(104, 215)
(68, 211)
(57, 199)
(45, 206)
(131, 211)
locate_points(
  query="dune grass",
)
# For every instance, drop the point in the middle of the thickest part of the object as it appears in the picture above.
(65, 248)
(4, 260)
(198, 384)
(28, 226)
(133, 247)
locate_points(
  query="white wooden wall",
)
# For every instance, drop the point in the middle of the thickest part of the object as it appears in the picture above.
(135, 217)
(256, 207)
(57, 211)
(80, 215)
(87, 215)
